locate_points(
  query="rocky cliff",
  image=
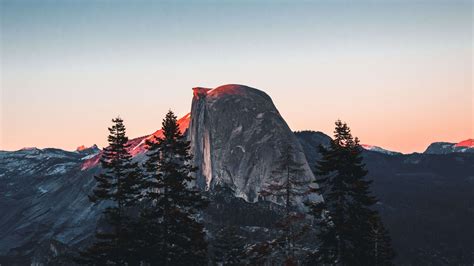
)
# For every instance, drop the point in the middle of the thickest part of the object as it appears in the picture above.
(237, 135)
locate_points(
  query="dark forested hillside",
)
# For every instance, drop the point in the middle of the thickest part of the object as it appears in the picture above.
(426, 201)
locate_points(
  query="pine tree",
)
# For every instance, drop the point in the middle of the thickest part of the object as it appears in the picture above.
(346, 218)
(288, 184)
(172, 234)
(119, 187)
(383, 252)
(229, 247)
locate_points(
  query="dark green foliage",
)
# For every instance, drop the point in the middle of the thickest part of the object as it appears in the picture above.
(346, 218)
(229, 247)
(287, 185)
(171, 233)
(382, 244)
(119, 187)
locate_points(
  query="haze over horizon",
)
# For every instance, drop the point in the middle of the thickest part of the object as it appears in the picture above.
(399, 73)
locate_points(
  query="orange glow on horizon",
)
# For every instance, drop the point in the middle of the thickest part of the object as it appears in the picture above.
(138, 145)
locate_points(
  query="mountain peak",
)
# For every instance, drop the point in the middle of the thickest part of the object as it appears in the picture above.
(466, 143)
(448, 147)
(28, 149)
(229, 89)
(81, 148)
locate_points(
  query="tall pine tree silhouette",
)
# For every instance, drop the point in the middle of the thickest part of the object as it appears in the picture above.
(346, 219)
(172, 233)
(118, 187)
(383, 253)
(288, 183)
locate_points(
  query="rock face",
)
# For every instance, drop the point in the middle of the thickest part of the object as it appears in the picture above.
(43, 195)
(236, 136)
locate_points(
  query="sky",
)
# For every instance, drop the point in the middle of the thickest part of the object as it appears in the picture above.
(398, 72)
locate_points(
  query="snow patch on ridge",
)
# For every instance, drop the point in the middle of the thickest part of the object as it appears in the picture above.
(378, 149)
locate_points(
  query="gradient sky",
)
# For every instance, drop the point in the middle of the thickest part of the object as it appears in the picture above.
(399, 72)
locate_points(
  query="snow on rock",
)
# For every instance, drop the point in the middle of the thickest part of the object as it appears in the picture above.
(42, 190)
(60, 168)
(378, 149)
(89, 156)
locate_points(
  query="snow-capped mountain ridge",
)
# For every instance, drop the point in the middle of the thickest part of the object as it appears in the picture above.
(448, 147)
(378, 149)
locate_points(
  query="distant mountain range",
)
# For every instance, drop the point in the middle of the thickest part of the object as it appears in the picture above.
(433, 148)
(426, 200)
(236, 133)
(137, 146)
